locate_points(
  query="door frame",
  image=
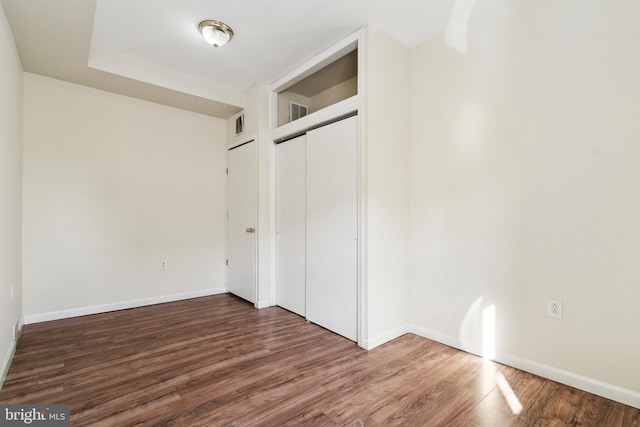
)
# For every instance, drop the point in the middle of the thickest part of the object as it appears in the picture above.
(230, 146)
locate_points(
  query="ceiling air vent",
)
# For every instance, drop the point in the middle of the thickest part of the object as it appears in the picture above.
(297, 111)
(240, 124)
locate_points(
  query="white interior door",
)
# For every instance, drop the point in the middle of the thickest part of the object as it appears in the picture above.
(332, 223)
(290, 224)
(241, 210)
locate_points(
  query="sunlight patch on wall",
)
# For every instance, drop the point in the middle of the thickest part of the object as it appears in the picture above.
(478, 329)
(470, 331)
(456, 33)
(469, 131)
(489, 332)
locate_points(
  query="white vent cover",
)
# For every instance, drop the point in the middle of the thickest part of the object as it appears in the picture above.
(239, 124)
(297, 111)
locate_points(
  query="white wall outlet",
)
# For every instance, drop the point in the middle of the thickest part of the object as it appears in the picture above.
(163, 264)
(554, 308)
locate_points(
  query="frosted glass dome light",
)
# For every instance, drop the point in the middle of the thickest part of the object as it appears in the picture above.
(215, 33)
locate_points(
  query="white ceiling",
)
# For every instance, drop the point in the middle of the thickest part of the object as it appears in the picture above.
(151, 49)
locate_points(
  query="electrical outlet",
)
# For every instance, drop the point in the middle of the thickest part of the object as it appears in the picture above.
(163, 264)
(554, 308)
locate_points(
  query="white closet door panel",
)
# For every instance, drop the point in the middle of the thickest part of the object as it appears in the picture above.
(290, 225)
(332, 214)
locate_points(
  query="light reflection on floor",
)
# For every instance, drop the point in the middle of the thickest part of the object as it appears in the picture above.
(509, 395)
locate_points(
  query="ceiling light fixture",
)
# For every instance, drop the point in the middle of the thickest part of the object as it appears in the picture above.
(215, 33)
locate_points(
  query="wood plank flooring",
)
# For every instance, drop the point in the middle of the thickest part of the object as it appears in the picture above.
(217, 361)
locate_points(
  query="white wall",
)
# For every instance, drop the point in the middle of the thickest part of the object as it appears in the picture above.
(334, 94)
(386, 187)
(10, 192)
(525, 185)
(112, 185)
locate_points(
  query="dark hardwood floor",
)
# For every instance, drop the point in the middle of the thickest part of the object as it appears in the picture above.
(217, 361)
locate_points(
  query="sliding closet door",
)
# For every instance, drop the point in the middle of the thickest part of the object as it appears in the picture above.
(290, 225)
(332, 213)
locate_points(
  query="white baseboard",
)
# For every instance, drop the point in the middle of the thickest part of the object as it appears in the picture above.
(6, 362)
(263, 304)
(369, 344)
(445, 339)
(600, 388)
(103, 308)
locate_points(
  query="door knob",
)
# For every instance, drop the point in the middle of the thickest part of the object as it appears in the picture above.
(250, 230)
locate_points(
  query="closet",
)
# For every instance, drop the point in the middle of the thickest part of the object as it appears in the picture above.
(317, 226)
